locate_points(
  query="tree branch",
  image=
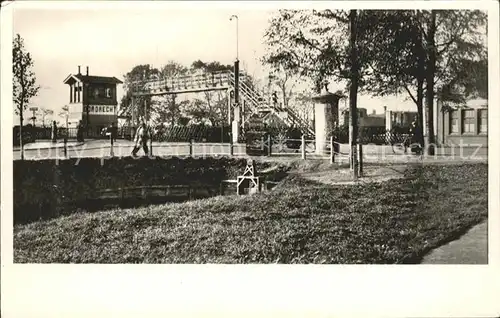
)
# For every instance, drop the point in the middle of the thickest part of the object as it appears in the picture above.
(409, 92)
(330, 15)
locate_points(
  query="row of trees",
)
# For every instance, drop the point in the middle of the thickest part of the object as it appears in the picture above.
(425, 54)
(40, 115)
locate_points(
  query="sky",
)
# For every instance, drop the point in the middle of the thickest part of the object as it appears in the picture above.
(112, 41)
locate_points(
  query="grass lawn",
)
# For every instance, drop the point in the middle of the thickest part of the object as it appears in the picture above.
(397, 221)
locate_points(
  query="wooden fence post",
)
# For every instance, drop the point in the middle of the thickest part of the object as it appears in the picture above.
(269, 145)
(360, 161)
(303, 147)
(231, 150)
(151, 146)
(111, 152)
(191, 147)
(66, 146)
(57, 154)
(332, 150)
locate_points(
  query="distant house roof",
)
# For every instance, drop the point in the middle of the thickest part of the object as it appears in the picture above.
(72, 78)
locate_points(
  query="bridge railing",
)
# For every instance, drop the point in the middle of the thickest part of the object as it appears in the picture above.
(182, 82)
(260, 102)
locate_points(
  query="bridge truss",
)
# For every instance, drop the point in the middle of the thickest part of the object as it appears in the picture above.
(245, 104)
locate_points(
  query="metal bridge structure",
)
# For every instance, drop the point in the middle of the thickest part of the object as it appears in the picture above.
(244, 102)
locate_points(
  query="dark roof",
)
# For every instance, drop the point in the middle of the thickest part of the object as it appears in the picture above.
(91, 79)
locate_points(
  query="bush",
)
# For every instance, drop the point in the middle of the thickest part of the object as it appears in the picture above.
(29, 135)
(44, 189)
(198, 133)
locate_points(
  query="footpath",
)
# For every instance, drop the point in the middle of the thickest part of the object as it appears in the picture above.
(471, 248)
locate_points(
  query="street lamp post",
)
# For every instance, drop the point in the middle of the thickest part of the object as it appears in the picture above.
(236, 117)
(234, 16)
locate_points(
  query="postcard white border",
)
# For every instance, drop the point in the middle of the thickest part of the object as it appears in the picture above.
(263, 290)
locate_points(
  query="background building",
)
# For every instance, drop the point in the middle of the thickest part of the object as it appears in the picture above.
(399, 118)
(365, 119)
(466, 124)
(92, 99)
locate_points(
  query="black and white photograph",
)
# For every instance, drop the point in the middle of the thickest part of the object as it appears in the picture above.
(250, 135)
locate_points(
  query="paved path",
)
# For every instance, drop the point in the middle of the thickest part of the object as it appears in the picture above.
(101, 148)
(471, 248)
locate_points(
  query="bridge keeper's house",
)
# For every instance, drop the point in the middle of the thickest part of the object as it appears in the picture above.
(92, 99)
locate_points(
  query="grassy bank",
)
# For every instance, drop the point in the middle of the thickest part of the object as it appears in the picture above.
(393, 222)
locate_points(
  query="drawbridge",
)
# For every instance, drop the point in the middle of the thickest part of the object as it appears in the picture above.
(245, 103)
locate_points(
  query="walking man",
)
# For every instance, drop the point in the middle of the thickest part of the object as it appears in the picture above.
(142, 137)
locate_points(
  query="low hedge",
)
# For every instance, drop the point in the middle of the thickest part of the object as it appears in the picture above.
(44, 189)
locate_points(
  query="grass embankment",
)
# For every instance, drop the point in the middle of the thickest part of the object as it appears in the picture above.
(392, 222)
(47, 189)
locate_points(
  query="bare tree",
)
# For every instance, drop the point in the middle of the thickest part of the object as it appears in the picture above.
(44, 112)
(24, 82)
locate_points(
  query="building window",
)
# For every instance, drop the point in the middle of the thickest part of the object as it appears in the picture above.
(483, 121)
(79, 90)
(453, 121)
(468, 121)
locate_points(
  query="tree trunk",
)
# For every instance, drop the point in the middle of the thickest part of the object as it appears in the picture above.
(420, 94)
(21, 130)
(431, 69)
(353, 92)
(420, 110)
